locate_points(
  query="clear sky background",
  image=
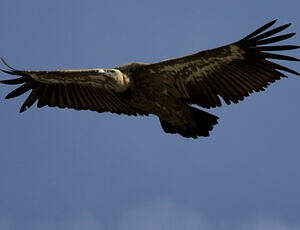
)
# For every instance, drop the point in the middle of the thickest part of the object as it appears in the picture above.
(64, 169)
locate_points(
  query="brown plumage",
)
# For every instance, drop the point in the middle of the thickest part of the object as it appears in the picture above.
(167, 88)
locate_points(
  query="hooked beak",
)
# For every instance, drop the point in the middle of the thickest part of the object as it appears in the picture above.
(103, 74)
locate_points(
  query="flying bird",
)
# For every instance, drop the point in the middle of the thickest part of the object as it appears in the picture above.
(167, 89)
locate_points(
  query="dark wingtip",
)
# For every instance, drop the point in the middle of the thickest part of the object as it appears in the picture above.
(5, 63)
(23, 109)
(259, 30)
(15, 81)
(274, 39)
(9, 72)
(271, 23)
(21, 90)
(8, 96)
(287, 25)
(6, 71)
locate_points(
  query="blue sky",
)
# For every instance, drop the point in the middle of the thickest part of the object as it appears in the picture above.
(64, 169)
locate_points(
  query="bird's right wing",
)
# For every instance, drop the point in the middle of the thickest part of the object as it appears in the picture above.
(231, 72)
(76, 89)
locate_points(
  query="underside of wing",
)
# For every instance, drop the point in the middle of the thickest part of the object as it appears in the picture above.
(66, 89)
(231, 72)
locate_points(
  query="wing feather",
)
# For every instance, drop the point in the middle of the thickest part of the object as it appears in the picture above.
(96, 98)
(220, 88)
(62, 97)
(261, 29)
(273, 40)
(42, 96)
(53, 96)
(239, 80)
(15, 81)
(31, 99)
(270, 33)
(90, 99)
(21, 90)
(68, 96)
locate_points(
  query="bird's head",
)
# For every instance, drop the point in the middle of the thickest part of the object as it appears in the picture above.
(114, 79)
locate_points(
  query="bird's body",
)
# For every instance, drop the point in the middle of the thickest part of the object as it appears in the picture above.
(162, 100)
(166, 89)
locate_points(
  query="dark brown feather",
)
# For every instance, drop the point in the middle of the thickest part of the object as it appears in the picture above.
(68, 99)
(53, 101)
(261, 29)
(239, 82)
(90, 97)
(275, 48)
(222, 91)
(97, 99)
(15, 81)
(280, 67)
(44, 96)
(31, 99)
(100, 100)
(250, 80)
(21, 90)
(61, 97)
(109, 101)
(73, 96)
(84, 98)
(274, 39)
(277, 56)
(270, 32)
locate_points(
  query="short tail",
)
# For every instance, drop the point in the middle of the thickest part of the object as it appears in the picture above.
(204, 123)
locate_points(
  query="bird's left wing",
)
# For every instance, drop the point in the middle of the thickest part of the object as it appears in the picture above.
(76, 89)
(231, 72)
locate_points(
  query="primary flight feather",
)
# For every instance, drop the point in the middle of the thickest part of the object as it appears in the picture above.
(167, 88)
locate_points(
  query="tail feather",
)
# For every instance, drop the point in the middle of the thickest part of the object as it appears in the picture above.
(204, 123)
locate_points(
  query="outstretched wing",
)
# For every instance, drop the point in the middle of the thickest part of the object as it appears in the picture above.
(76, 89)
(232, 72)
